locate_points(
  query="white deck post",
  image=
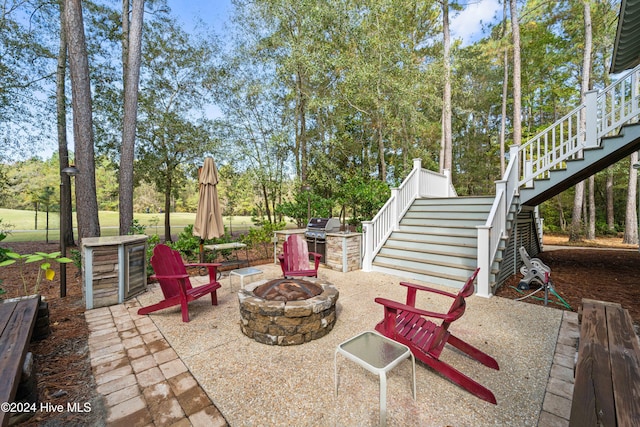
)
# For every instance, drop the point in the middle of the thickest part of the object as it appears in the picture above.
(417, 166)
(482, 285)
(396, 208)
(448, 192)
(501, 185)
(367, 246)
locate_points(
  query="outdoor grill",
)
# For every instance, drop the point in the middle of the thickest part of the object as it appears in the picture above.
(316, 233)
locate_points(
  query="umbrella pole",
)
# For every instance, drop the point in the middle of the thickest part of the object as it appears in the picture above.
(201, 251)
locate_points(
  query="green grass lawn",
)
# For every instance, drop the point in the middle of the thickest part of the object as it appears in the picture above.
(21, 224)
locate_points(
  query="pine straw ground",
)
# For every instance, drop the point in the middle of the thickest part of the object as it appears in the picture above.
(62, 362)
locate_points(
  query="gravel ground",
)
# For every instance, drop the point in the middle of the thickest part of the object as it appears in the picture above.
(255, 384)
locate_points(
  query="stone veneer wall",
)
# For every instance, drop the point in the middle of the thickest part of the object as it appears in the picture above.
(337, 245)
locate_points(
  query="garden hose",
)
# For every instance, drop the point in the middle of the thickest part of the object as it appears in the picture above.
(561, 303)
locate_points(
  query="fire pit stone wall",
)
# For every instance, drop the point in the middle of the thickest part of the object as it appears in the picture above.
(287, 323)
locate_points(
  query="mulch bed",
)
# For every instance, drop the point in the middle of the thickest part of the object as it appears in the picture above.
(600, 274)
(62, 360)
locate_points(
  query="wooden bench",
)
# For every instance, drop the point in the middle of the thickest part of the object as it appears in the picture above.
(17, 319)
(607, 375)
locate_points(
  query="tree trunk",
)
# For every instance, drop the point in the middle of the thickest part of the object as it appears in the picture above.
(382, 163)
(125, 38)
(611, 222)
(265, 194)
(447, 162)
(167, 209)
(561, 219)
(131, 69)
(505, 89)
(576, 220)
(575, 229)
(61, 121)
(631, 215)
(86, 201)
(301, 137)
(517, 90)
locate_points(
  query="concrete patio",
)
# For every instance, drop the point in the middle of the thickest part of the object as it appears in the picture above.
(206, 372)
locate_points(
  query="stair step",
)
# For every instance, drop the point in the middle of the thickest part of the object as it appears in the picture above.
(425, 265)
(434, 245)
(435, 239)
(438, 230)
(428, 256)
(443, 222)
(476, 216)
(430, 278)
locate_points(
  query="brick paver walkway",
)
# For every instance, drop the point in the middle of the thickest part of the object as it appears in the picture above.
(141, 377)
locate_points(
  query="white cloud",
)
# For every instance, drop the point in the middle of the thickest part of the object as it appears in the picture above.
(467, 24)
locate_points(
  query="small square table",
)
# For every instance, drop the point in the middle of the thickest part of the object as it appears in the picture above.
(377, 354)
(242, 273)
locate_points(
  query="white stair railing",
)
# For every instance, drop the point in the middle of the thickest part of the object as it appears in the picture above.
(495, 229)
(419, 183)
(604, 112)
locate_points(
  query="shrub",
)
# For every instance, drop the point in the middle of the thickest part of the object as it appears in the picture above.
(137, 227)
(188, 244)
(261, 236)
(152, 241)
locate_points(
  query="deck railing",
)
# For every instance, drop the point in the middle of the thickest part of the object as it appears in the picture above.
(495, 229)
(419, 183)
(602, 114)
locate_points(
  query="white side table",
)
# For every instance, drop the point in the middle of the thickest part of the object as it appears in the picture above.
(242, 273)
(377, 354)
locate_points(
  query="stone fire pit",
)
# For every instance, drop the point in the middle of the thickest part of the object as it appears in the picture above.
(270, 316)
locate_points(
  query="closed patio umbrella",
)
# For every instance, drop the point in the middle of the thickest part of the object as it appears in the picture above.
(208, 224)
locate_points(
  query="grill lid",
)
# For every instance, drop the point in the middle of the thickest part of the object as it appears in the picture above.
(328, 225)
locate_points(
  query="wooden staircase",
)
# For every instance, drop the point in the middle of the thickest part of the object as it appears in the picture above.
(425, 232)
(436, 241)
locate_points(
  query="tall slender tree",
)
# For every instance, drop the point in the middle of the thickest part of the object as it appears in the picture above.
(631, 214)
(61, 121)
(505, 90)
(446, 161)
(131, 59)
(86, 200)
(575, 230)
(517, 88)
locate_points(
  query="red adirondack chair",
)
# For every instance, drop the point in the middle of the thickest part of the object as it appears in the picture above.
(171, 273)
(294, 259)
(408, 325)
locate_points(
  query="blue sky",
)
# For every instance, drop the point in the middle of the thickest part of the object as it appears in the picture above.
(214, 13)
(466, 25)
